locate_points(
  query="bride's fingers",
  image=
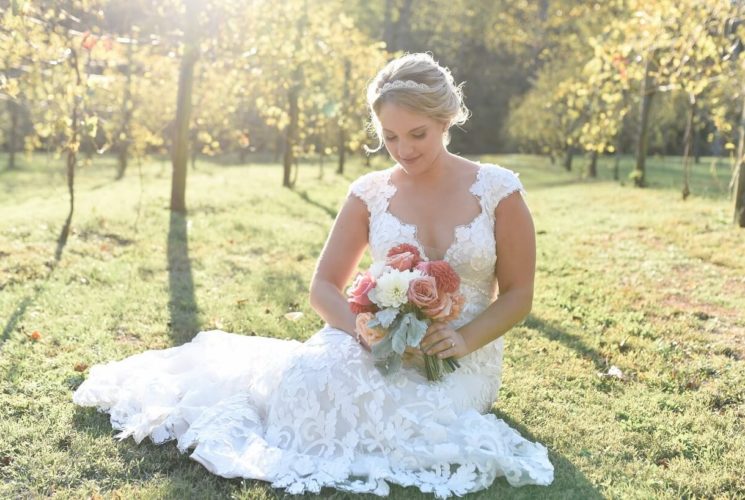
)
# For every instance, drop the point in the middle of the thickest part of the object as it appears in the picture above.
(433, 335)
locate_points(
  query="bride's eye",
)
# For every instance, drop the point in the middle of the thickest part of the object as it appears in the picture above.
(419, 136)
(389, 138)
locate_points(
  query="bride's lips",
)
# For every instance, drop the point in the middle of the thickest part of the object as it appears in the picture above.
(412, 160)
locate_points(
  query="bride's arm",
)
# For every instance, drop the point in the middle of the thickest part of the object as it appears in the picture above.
(339, 258)
(515, 236)
(516, 256)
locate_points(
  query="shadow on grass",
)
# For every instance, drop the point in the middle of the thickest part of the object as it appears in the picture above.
(304, 196)
(569, 340)
(184, 323)
(20, 310)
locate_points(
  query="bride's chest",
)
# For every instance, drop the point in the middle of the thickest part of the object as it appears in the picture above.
(472, 252)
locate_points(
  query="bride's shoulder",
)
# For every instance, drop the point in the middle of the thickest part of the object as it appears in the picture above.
(494, 171)
(498, 182)
(371, 184)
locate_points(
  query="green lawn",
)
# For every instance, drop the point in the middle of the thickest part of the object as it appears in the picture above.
(634, 279)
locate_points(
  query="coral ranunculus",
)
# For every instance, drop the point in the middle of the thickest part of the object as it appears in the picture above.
(359, 308)
(447, 279)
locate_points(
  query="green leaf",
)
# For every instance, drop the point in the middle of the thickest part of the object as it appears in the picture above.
(401, 333)
(417, 329)
(382, 349)
(389, 365)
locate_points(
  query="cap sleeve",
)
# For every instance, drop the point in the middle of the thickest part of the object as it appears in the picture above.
(500, 183)
(373, 189)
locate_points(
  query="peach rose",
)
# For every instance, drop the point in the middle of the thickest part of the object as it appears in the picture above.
(447, 279)
(423, 292)
(411, 258)
(458, 301)
(447, 308)
(358, 293)
(371, 335)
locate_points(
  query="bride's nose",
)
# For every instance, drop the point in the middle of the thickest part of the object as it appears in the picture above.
(405, 149)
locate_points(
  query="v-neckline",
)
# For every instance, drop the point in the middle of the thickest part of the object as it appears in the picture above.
(456, 228)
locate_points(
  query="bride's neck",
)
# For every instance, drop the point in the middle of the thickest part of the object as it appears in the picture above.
(437, 173)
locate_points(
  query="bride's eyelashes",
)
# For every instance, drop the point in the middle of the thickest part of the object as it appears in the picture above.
(415, 136)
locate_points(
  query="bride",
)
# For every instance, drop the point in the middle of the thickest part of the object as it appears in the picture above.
(319, 413)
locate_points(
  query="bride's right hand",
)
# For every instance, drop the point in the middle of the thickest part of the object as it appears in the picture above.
(413, 356)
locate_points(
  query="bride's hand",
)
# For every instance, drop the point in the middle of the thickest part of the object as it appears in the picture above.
(413, 356)
(443, 342)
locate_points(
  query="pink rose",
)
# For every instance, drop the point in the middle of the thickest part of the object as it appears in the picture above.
(358, 293)
(423, 292)
(402, 261)
(403, 257)
(371, 335)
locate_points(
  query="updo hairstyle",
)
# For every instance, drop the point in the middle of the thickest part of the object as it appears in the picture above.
(418, 82)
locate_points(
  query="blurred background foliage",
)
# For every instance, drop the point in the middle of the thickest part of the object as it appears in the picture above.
(559, 78)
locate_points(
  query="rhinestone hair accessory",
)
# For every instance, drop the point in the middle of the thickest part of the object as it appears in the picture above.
(403, 84)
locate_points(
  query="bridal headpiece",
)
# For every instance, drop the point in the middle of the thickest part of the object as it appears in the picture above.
(403, 84)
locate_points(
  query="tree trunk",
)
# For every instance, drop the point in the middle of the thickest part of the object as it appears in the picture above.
(738, 175)
(343, 121)
(12, 133)
(290, 133)
(647, 93)
(688, 145)
(592, 166)
(568, 154)
(193, 148)
(617, 158)
(72, 156)
(123, 153)
(180, 153)
(388, 25)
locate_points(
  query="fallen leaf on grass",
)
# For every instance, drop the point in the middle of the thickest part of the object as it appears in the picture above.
(80, 367)
(294, 316)
(5, 461)
(613, 371)
(34, 336)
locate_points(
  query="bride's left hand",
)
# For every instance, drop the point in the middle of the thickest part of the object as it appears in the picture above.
(443, 341)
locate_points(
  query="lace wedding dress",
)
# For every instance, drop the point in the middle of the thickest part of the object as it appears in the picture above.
(318, 413)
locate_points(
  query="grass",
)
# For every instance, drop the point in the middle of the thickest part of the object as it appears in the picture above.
(634, 279)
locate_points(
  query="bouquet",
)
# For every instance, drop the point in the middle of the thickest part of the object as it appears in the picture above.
(396, 301)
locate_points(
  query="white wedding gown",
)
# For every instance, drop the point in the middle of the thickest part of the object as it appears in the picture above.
(318, 413)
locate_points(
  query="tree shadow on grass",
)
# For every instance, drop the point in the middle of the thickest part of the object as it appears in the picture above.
(20, 310)
(304, 196)
(184, 323)
(571, 341)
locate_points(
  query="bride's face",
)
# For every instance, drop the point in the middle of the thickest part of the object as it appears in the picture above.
(414, 140)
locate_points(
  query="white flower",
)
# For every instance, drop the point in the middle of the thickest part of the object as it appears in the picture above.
(377, 268)
(393, 287)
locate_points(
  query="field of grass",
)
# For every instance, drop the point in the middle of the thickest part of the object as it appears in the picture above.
(630, 368)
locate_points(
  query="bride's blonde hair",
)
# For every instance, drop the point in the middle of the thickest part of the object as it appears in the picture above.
(418, 82)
